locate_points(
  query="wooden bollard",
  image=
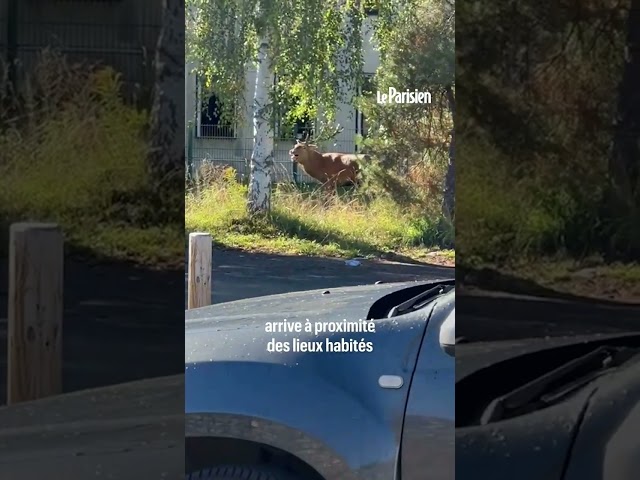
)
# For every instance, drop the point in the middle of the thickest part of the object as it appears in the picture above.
(199, 275)
(36, 264)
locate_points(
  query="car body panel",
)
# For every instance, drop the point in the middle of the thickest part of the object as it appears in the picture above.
(499, 450)
(561, 433)
(608, 444)
(327, 409)
(428, 437)
(472, 357)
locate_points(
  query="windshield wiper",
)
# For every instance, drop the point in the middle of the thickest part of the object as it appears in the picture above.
(419, 300)
(556, 384)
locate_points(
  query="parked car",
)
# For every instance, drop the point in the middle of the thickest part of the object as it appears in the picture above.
(377, 405)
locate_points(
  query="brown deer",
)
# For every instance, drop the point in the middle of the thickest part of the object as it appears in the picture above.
(330, 169)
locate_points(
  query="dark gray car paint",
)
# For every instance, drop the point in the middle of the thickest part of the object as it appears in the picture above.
(598, 415)
(326, 409)
(471, 357)
(608, 444)
(428, 437)
(508, 444)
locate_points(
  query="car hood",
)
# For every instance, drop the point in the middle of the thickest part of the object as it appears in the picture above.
(293, 306)
(608, 445)
(532, 446)
(233, 330)
(321, 407)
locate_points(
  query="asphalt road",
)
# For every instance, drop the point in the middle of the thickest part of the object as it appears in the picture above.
(238, 275)
(127, 432)
(487, 317)
(123, 323)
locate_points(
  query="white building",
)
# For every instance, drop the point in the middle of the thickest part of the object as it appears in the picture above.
(208, 140)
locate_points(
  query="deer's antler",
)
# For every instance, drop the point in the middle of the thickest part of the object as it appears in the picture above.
(323, 136)
(326, 134)
(305, 138)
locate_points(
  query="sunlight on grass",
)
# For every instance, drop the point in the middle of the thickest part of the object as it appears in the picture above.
(308, 223)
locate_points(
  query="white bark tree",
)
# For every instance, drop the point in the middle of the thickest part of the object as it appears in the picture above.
(259, 197)
(297, 42)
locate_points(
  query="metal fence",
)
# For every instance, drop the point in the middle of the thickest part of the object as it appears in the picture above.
(121, 34)
(236, 153)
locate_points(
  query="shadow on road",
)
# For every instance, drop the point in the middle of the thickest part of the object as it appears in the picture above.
(496, 317)
(490, 279)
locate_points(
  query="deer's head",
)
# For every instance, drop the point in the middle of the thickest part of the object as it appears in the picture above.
(303, 147)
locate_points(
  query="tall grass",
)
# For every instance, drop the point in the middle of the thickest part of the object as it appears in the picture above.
(72, 151)
(307, 221)
(508, 216)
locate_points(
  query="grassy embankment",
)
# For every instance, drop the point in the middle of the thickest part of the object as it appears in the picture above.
(304, 222)
(533, 229)
(74, 152)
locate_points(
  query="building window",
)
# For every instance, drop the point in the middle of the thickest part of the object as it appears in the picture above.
(371, 7)
(290, 130)
(297, 129)
(208, 117)
(368, 89)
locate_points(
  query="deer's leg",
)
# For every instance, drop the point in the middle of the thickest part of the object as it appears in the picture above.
(329, 187)
(335, 183)
(324, 187)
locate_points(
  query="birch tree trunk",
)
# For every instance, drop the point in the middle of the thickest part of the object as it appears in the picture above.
(166, 157)
(259, 197)
(449, 198)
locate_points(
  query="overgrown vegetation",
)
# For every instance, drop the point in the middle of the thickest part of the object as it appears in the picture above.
(74, 152)
(410, 141)
(316, 60)
(541, 178)
(399, 205)
(303, 221)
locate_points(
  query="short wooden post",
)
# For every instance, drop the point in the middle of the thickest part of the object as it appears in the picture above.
(199, 275)
(36, 263)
